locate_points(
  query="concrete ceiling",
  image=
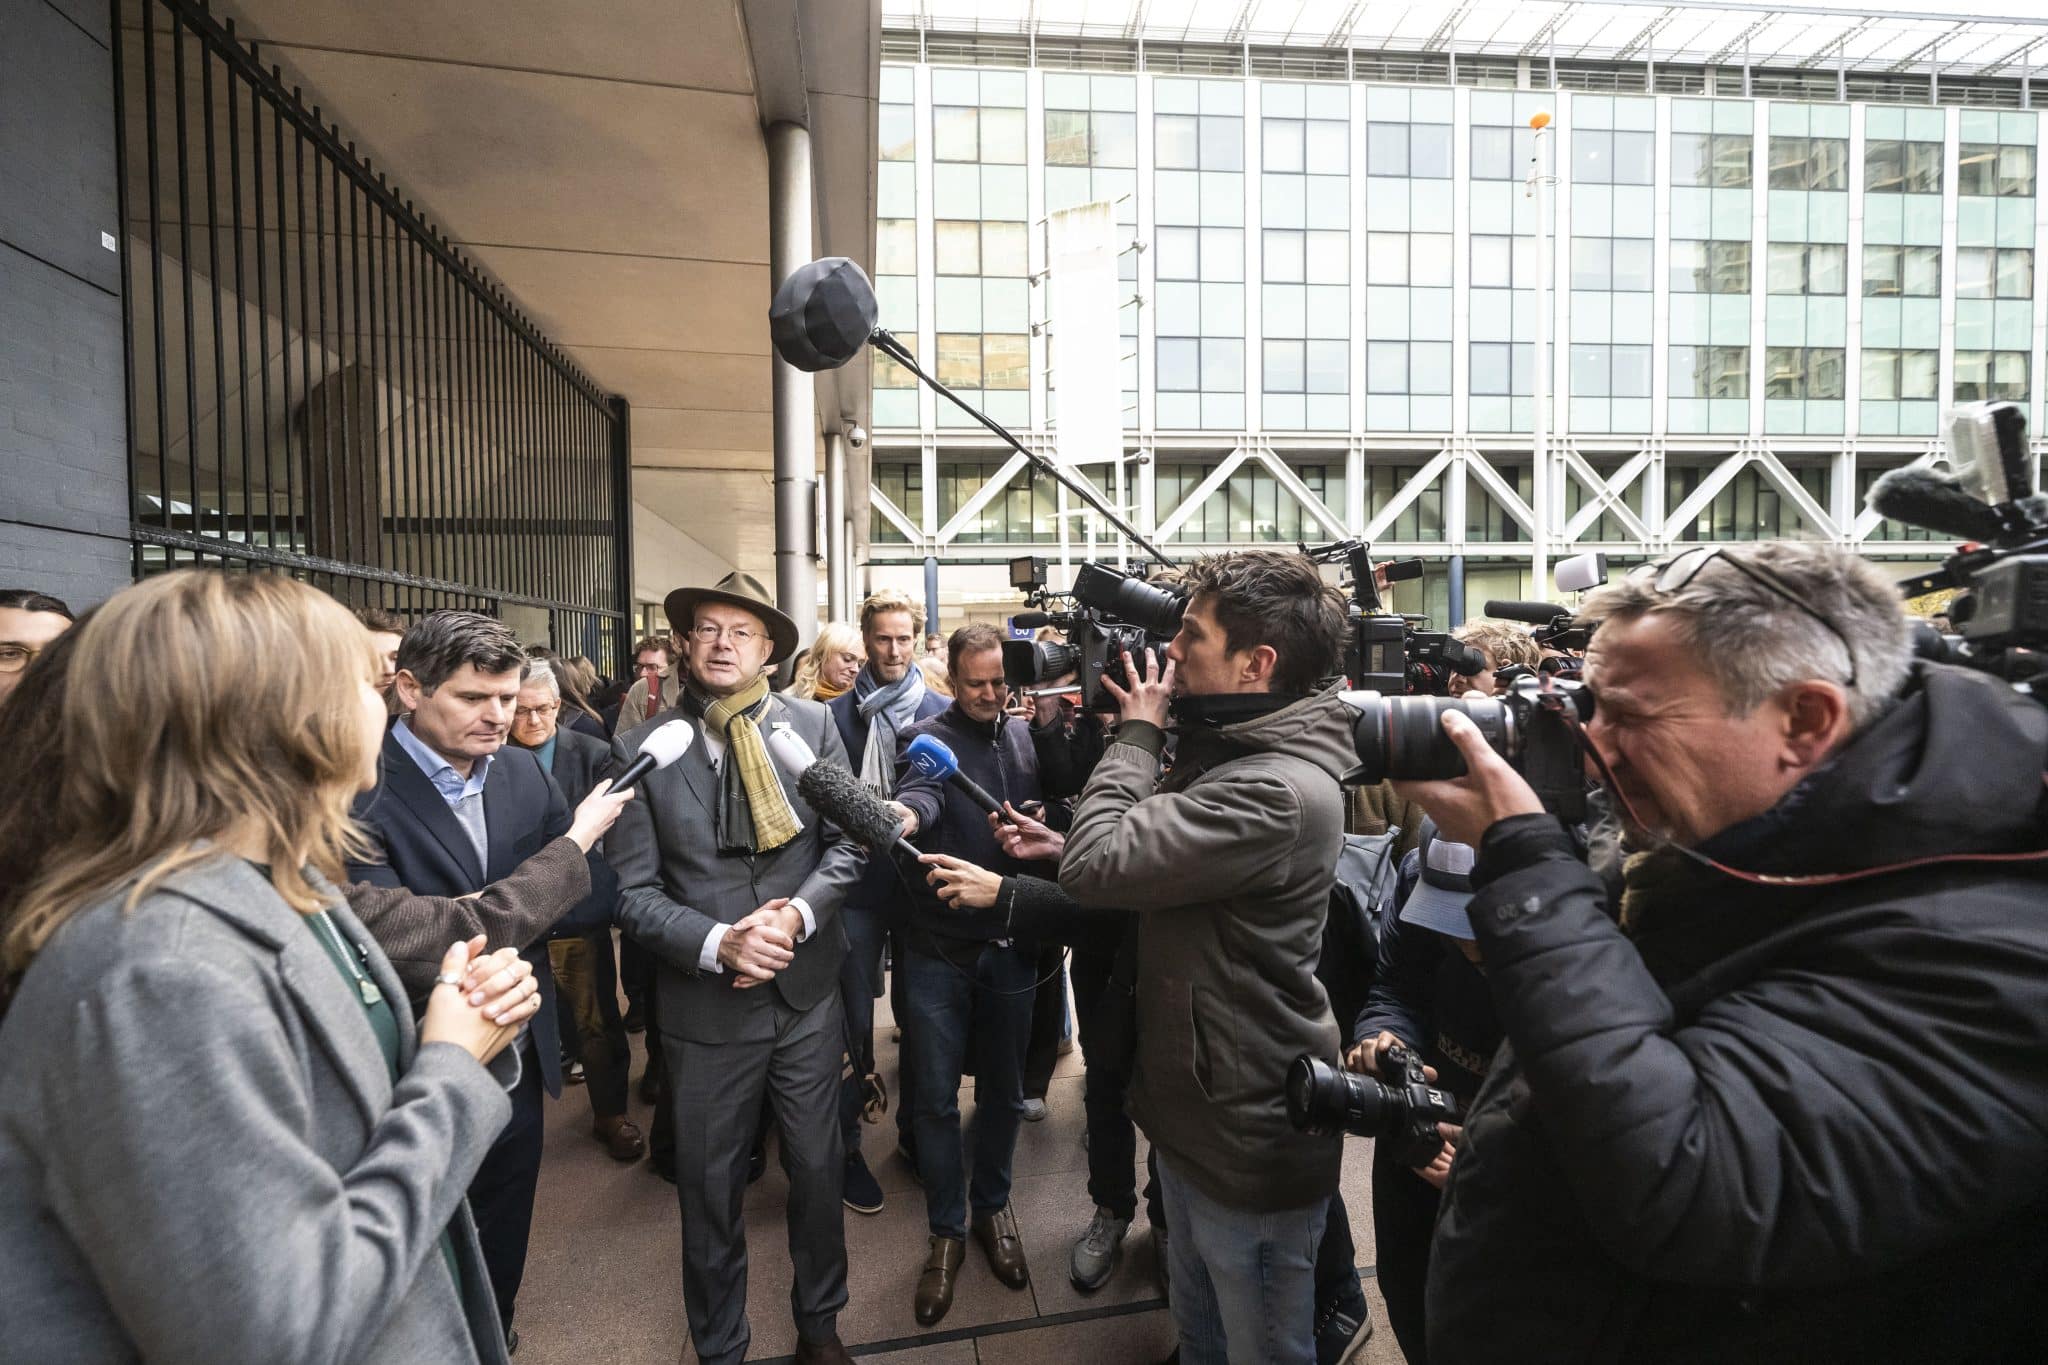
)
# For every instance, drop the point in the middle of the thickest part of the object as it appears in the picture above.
(606, 164)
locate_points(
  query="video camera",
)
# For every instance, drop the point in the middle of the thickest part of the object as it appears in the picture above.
(1112, 612)
(2001, 608)
(1383, 652)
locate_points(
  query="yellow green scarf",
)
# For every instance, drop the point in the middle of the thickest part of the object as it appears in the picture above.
(754, 815)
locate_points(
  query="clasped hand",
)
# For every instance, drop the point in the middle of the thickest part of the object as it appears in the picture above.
(761, 943)
(491, 996)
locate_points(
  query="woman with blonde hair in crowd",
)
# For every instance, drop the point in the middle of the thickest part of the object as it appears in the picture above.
(220, 1137)
(831, 664)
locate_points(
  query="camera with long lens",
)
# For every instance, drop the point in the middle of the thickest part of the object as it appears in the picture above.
(1402, 1112)
(1383, 652)
(2000, 610)
(1114, 612)
(1532, 722)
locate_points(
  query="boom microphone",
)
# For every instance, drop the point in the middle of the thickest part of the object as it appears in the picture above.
(1535, 613)
(1921, 497)
(930, 758)
(1030, 620)
(835, 793)
(823, 314)
(668, 743)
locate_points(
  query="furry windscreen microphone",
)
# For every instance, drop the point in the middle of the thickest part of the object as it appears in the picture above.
(823, 314)
(835, 793)
(1921, 497)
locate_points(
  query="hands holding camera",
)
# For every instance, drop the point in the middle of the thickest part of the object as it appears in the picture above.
(1364, 1057)
(1464, 808)
(1148, 697)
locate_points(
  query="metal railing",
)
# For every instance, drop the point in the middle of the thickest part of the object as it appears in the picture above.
(319, 382)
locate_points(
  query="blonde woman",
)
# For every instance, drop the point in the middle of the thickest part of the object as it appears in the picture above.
(831, 664)
(220, 1138)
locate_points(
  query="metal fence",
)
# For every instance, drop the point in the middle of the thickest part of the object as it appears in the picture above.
(320, 383)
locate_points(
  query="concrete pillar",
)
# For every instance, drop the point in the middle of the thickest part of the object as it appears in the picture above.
(789, 246)
(838, 544)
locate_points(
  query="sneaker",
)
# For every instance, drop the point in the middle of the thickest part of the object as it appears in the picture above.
(860, 1191)
(1034, 1111)
(1341, 1328)
(1095, 1252)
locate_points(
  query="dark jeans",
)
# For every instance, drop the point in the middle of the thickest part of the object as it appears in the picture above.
(1403, 1220)
(991, 1003)
(1337, 1259)
(501, 1195)
(1048, 1020)
(1108, 1015)
(860, 982)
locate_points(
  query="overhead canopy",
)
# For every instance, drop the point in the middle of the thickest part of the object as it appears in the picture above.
(1946, 37)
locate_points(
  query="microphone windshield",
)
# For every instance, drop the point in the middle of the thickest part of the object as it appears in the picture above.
(930, 758)
(835, 793)
(1535, 613)
(823, 314)
(1921, 497)
(1030, 620)
(668, 743)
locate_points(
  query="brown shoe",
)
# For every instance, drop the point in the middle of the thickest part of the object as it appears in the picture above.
(997, 1233)
(826, 1352)
(935, 1286)
(619, 1136)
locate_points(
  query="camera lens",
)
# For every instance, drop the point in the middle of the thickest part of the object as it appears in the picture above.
(1322, 1100)
(1129, 598)
(1026, 663)
(1403, 739)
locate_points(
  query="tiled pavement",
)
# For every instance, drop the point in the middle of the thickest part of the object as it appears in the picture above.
(604, 1273)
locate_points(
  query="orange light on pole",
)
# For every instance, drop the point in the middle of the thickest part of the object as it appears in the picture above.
(1539, 120)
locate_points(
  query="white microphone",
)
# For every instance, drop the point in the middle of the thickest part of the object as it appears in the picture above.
(669, 742)
(790, 750)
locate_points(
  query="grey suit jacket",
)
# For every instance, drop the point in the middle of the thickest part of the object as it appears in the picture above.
(674, 885)
(203, 1157)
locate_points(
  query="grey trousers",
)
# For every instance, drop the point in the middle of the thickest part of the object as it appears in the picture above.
(717, 1090)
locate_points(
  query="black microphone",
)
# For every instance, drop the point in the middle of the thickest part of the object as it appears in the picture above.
(1030, 620)
(835, 793)
(1535, 613)
(823, 314)
(669, 742)
(1920, 497)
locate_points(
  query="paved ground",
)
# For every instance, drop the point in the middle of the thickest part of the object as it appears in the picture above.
(604, 1274)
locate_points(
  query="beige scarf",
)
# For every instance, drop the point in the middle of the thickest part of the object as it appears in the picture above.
(754, 815)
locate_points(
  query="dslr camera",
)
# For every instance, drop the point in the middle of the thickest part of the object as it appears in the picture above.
(2001, 608)
(1112, 612)
(1326, 1100)
(1533, 723)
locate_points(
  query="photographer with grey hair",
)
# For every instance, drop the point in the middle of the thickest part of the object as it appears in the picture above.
(1784, 1100)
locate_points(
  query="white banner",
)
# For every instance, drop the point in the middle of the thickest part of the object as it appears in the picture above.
(1087, 350)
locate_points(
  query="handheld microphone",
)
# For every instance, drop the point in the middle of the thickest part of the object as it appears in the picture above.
(1535, 613)
(1921, 497)
(790, 750)
(668, 743)
(930, 758)
(835, 793)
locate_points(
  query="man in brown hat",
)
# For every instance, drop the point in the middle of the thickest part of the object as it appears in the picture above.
(735, 884)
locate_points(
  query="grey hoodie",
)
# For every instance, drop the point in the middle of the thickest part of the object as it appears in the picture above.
(1230, 863)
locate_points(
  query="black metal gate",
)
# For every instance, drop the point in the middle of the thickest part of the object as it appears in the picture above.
(318, 382)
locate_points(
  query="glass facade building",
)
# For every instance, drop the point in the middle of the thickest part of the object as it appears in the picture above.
(1336, 313)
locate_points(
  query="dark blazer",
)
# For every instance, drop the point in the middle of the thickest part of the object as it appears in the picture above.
(581, 762)
(881, 887)
(417, 843)
(675, 885)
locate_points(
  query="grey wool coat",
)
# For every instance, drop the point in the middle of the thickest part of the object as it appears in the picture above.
(203, 1157)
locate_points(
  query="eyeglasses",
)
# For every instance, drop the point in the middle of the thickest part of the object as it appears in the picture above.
(1674, 573)
(14, 658)
(530, 712)
(710, 634)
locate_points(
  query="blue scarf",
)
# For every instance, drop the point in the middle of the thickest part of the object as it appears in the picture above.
(889, 709)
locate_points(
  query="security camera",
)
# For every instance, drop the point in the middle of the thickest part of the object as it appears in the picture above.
(857, 437)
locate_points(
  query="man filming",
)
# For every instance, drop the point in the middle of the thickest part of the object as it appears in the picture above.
(1229, 862)
(1784, 1102)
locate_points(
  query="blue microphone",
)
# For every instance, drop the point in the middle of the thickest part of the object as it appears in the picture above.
(931, 759)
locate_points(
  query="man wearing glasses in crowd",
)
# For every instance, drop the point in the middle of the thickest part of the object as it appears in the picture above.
(1783, 1097)
(29, 620)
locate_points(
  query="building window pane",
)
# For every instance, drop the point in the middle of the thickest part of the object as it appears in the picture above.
(1635, 158)
(1282, 145)
(1328, 364)
(1880, 376)
(1222, 254)
(1179, 253)
(1493, 155)
(1709, 371)
(1066, 137)
(1919, 373)
(1429, 259)
(1222, 144)
(1115, 142)
(1429, 151)
(1589, 371)
(1976, 272)
(1592, 157)
(1826, 268)
(2015, 273)
(1386, 258)
(1630, 377)
(1180, 365)
(1284, 362)
(1632, 270)
(1784, 372)
(1592, 262)
(1329, 257)
(1176, 142)
(1329, 147)
(960, 359)
(958, 248)
(1386, 149)
(1004, 249)
(1492, 262)
(1489, 367)
(897, 125)
(1826, 372)
(1002, 136)
(1283, 256)
(1222, 364)
(956, 135)
(896, 246)
(1386, 367)
(1006, 361)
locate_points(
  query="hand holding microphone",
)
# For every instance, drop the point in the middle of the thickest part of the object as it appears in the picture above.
(930, 758)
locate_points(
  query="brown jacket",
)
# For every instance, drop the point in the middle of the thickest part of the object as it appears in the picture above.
(1229, 863)
(633, 710)
(416, 931)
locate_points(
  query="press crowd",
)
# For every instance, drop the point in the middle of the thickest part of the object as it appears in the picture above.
(306, 914)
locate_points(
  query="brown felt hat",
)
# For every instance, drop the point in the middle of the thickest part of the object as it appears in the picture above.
(741, 590)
